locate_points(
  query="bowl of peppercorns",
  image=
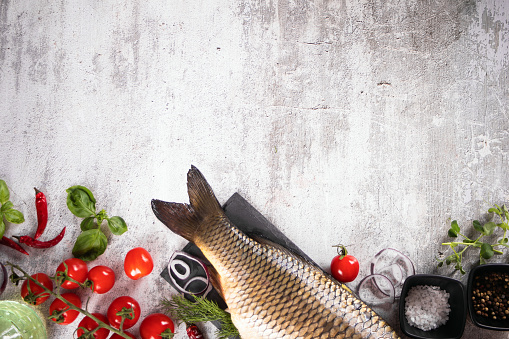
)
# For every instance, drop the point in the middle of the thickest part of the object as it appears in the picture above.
(488, 296)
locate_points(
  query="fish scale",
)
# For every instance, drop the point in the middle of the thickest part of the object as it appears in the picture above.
(270, 292)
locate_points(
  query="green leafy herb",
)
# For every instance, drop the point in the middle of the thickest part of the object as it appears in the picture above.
(200, 310)
(486, 250)
(117, 225)
(6, 210)
(92, 242)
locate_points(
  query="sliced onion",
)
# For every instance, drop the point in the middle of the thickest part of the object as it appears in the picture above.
(3, 278)
(188, 274)
(394, 266)
(376, 289)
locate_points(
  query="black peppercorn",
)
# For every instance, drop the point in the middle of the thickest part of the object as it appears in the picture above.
(489, 294)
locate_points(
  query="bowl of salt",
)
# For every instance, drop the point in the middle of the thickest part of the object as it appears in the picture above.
(432, 306)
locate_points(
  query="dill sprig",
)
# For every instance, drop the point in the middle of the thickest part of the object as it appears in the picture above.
(201, 310)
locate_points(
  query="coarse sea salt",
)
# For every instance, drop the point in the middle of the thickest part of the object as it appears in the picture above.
(427, 307)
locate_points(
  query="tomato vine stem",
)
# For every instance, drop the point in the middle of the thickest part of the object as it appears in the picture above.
(71, 306)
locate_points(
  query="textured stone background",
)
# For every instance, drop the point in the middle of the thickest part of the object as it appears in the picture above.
(372, 124)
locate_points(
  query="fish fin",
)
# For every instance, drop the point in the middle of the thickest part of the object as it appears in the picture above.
(215, 280)
(179, 218)
(201, 196)
(185, 219)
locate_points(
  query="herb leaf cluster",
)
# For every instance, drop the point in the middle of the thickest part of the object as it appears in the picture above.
(92, 241)
(200, 310)
(486, 249)
(6, 210)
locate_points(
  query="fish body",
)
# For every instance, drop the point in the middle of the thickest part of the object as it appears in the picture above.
(270, 291)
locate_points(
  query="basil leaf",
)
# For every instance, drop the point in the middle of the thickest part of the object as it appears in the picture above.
(486, 251)
(101, 216)
(117, 225)
(90, 244)
(2, 226)
(14, 216)
(6, 206)
(88, 224)
(4, 192)
(80, 201)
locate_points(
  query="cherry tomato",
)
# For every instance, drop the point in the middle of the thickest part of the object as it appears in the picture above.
(89, 324)
(37, 294)
(138, 263)
(346, 269)
(116, 336)
(153, 325)
(58, 305)
(102, 278)
(76, 269)
(123, 303)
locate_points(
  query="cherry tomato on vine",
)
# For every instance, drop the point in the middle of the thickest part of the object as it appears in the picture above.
(116, 336)
(76, 269)
(123, 305)
(58, 305)
(89, 324)
(155, 325)
(138, 263)
(37, 294)
(102, 279)
(344, 267)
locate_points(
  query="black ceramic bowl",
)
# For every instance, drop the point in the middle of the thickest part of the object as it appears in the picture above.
(480, 272)
(453, 328)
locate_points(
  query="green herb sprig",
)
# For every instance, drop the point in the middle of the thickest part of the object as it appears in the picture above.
(92, 241)
(201, 310)
(6, 210)
(486, 250)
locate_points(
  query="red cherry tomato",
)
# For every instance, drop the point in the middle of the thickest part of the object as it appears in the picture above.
(37, 294)
(153, 325)
(120, 304)
(116, 336)
(346, 269)
(103, 279)
(76, 269)
(138, 263)
(89, 324)
(67, 317)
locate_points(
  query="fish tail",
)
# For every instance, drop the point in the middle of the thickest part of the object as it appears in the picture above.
(185, 219)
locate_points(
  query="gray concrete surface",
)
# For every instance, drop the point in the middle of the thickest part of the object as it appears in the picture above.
(371, 123)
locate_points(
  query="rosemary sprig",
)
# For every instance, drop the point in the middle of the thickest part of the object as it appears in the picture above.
(201, 310)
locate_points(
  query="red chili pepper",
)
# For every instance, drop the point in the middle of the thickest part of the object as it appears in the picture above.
(41, 207)
(193, 332)
(29, 241)
(12, 244)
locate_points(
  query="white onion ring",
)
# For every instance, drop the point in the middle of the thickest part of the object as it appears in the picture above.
(370, 292)
(393, 265)
(173, 269)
